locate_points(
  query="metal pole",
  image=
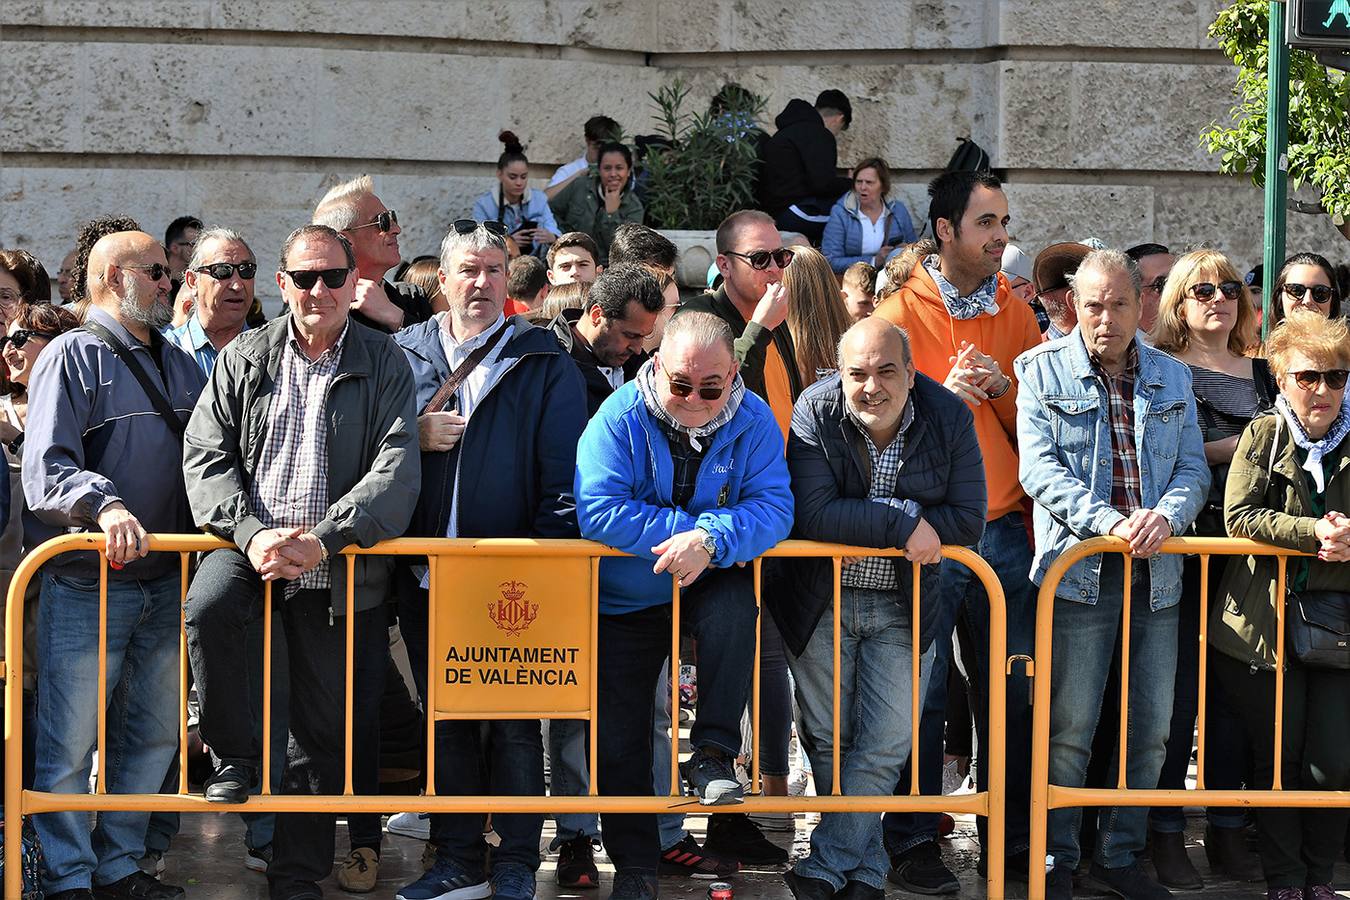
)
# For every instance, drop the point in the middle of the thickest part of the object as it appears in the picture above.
(1277, 160)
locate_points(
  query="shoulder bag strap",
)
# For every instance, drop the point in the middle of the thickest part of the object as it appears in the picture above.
(157, 398)
(443, 394)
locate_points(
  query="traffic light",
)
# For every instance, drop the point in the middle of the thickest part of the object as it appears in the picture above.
(1315, 24)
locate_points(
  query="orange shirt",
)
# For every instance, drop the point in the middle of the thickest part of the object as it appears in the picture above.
(934, 338)
(778, 389)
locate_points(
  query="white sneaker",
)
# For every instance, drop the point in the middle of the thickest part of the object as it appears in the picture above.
(413, 825)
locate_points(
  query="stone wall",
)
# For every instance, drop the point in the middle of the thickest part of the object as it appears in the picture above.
(244, 111)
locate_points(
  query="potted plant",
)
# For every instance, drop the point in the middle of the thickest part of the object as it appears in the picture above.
(699, 168)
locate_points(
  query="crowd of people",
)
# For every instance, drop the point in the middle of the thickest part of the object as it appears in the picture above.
(542, 377)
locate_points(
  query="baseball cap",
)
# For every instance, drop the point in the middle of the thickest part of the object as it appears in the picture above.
(835, 99)
(1055, 263)
(1016, 264)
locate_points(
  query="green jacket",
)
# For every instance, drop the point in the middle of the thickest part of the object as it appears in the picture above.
(374, 467)
(1269, 499)
(581, 207)
(752, 340)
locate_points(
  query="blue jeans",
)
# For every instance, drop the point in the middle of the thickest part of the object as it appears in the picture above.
(875, 662)
(669, 825)
(142, 721)
(1085, 637)
(569, 777)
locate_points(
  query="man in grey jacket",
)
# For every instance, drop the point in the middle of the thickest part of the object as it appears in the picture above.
(304, 443)
(99, 454)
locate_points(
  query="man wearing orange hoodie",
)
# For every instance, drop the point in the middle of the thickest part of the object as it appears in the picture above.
(966, 327)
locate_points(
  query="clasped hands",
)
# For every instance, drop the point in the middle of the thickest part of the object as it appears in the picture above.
(975, 376)
(1333, 533)
(284, 553)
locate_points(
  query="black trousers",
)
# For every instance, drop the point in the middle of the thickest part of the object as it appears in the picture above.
(1299, 847)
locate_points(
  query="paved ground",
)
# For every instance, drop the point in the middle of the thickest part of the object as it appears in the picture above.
(207, 859)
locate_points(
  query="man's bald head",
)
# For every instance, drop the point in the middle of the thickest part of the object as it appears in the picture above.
(876, 336)
(129, 279)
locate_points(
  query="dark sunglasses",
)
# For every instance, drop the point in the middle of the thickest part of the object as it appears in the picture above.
(385, 222)
(684, 389)
(760, 259)
(1205, 290)
(222, 271)
(1321, 293)
(1309, 378)
(156, 270)
(334, 278)
(23, 336)
(469, 226)
(1157, 284)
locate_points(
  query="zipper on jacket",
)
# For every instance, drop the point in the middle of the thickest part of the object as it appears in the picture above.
(330, 615)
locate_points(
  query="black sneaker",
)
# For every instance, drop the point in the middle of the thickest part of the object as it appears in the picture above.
(576, 864)
(805, 888)
(633, 884)
(710, 776)
(137, 886)
(734, 836)
(1059, 884)
(230, 784)
(920, 870)
(1130, 882)
(688, 859)
(857, 890)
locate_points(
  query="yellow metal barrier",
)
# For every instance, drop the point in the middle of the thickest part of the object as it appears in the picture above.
(440, 553)
(1046, 797)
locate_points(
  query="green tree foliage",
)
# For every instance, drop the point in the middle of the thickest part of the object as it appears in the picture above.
(1319, 110)
(707, 168)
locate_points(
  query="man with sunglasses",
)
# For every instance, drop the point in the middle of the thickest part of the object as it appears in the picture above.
(708, 492)
(1155, 263)
(1085, 402)
(372, 228)
(527, 405)
(100, 453)
(304, 444)
(220, 276)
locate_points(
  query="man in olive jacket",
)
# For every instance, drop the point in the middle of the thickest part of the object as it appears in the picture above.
(305, 442)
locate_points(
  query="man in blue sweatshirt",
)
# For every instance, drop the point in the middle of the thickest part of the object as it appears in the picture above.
(684, 469)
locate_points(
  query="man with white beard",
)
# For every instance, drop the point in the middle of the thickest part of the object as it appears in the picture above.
(103, 451)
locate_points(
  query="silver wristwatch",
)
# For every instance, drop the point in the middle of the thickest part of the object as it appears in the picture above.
(709, 544)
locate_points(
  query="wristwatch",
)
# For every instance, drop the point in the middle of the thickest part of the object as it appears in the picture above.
(709, 545)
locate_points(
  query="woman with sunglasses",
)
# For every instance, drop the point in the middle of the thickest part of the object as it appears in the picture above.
(524, 212)
(33, 327)
(1206, 319)
(601, 201)
(1306, 280)
(1289, 486)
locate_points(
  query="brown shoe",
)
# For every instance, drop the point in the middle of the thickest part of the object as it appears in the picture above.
(359, 871)
(1226, 850)
(1173, 866)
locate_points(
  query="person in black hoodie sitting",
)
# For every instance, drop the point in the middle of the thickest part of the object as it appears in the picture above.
(799, 179)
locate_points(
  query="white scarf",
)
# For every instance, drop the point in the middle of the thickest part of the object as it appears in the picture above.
(1316, 450)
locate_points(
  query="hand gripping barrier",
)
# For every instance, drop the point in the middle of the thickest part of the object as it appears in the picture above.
(1046, 797)
(442, 555)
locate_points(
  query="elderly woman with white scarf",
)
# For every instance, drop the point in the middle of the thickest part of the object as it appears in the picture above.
(1289, 485)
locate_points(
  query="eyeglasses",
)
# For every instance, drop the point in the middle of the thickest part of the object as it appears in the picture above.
(23, 336)
(156, 270)
(1205, 290)
(684, 389)
(1308, 379)
(222, 270)
(1321, 293)
(469, 226)
(759, 260)
(1156, 285)
(385, 222)
(305, 279)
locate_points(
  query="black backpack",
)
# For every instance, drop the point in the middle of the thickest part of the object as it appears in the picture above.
(969, 157)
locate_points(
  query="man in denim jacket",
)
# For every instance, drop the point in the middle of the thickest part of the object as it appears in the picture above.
(1109, 446)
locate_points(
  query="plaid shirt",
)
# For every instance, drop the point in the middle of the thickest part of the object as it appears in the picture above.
(687, 462)
(877, 573)
(290, 488)
(1126, 492)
